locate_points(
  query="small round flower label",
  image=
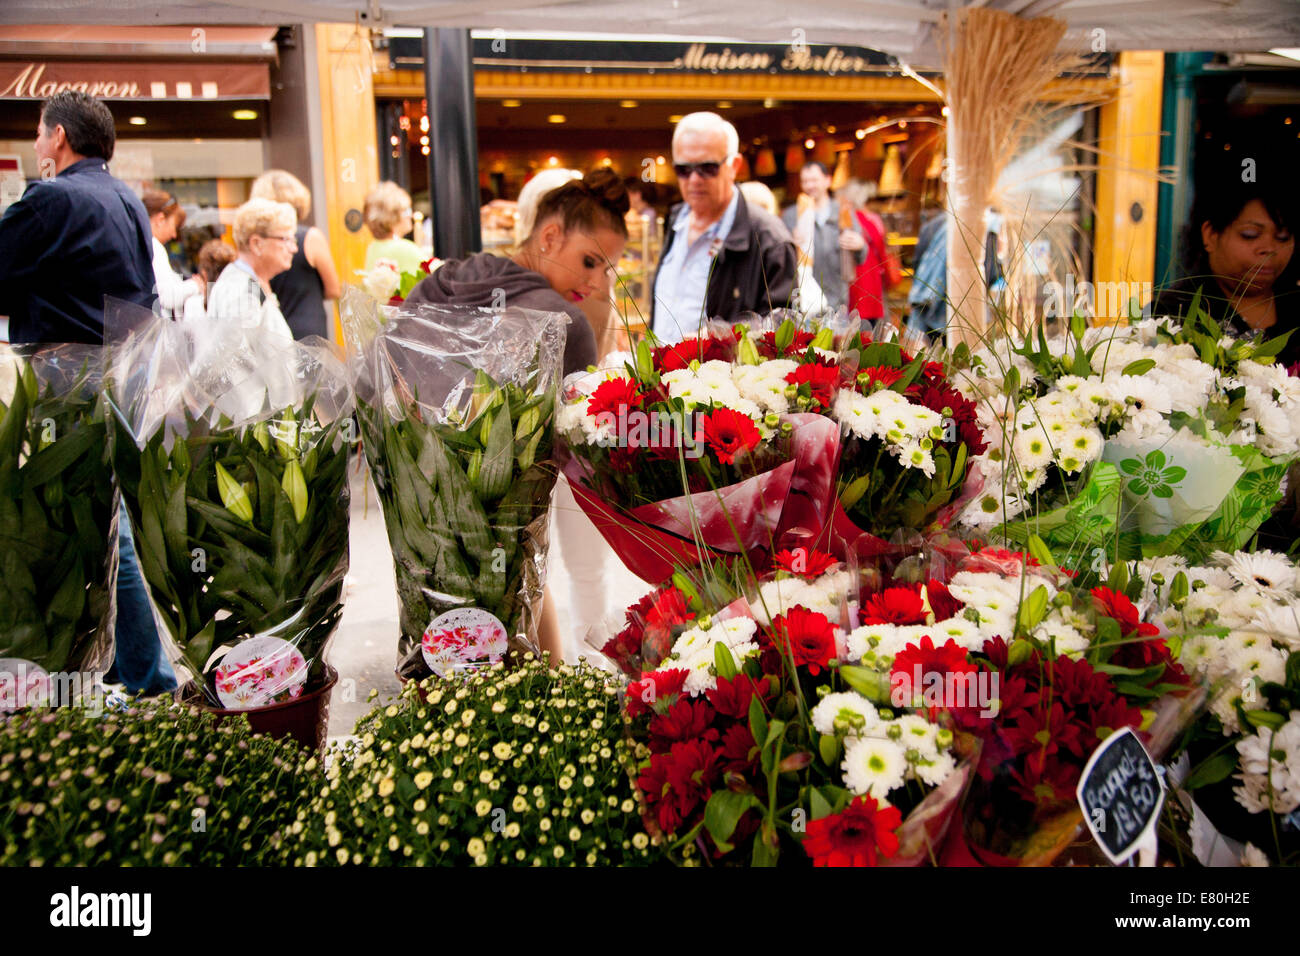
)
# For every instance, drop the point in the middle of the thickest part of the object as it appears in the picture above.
(22, 684)
(261, 672)
(462, 639)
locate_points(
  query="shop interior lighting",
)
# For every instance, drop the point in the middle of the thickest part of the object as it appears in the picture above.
(511, 104)
(244, 114)
(140, 121)
(557, 118)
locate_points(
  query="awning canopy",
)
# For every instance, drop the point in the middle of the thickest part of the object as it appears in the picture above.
(905, 28)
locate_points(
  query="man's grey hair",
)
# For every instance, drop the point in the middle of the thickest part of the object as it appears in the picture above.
(708, 123)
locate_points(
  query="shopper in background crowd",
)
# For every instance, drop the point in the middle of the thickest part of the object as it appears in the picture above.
(878, 271)
(390, 219)
(824, 232)
(165, 220)
(720, 256)
(927, 299)
(643, 196)
(264, 236)
(76, 235)
(311, 277)
(807, 297)
(214, 255)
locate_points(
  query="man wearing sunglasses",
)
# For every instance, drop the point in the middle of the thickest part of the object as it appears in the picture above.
(721, 257)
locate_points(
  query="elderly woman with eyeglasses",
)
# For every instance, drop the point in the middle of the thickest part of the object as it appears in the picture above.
(264, 237)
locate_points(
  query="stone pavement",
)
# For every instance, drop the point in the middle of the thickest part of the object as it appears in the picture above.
(364, 649)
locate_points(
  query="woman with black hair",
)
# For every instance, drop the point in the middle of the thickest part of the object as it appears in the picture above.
(1240, 255)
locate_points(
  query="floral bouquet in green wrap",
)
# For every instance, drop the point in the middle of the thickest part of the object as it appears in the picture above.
(231, 453)
(456, 406)
(1160, 437)
(57, 528)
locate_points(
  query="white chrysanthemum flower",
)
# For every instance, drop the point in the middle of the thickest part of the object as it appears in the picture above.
(870, 638)
(1262, 661)
(917, 734)
(1199, 653)
(873, 766)
(715, 371)
(693, 641)
(960, 629)
(1064, 638)
(1270, 760)
(935, 770)
(765, 384)
(1281, 622)
(845, 713)
(736, 630)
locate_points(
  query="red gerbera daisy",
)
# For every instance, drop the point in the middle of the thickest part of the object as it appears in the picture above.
(1118, 606)
(858, 836)
(641, 695)
(767, 344)
(913, 663)
(732, 697)
(804, 562)
(613, 396)
(670, 358)
(898, 605)
(728, 433)
(808, 635)
(822, 377)
(684, 720)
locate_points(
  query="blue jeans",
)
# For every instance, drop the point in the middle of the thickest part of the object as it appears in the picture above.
(139, 663)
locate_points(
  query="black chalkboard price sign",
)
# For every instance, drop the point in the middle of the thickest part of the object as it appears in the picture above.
(1121, 793)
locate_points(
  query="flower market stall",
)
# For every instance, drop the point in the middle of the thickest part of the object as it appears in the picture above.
(977, 605)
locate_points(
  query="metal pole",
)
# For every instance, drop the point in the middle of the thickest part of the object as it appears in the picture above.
(453, 142)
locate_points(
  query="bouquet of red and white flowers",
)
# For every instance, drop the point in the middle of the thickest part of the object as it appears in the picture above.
(755, 742)
(742, 439)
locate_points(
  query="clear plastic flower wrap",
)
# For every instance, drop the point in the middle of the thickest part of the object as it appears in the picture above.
(231, 447)
(456, 406)
(58, 527)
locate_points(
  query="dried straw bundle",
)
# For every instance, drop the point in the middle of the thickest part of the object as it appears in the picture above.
(995, 66)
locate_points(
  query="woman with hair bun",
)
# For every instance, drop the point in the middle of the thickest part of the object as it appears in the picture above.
(577, 238)
(165, 220)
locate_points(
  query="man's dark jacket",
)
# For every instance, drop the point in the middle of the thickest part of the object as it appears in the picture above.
(753, 272)
(66, 244)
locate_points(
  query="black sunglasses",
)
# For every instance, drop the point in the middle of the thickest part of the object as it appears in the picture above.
(707, 170)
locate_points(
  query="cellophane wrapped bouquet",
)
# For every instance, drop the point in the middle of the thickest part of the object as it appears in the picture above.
(231, 447)
(456, 407)
(759, 743)
(1157, 438)
(1236, 620)
(750, 439)
(57, 523)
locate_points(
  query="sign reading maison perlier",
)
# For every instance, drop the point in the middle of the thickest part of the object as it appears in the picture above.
(601, 56)
(135, 80)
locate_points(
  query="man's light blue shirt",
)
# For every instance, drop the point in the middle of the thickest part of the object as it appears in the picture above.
(683, 275)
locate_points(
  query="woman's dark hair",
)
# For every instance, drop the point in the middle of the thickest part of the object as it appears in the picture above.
(597, 199)
(86, 122)
(1221, 196)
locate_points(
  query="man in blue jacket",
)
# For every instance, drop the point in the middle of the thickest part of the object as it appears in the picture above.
(77, 234)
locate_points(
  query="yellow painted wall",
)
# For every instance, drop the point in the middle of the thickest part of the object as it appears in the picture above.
(350, 161)
(1128, 167)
